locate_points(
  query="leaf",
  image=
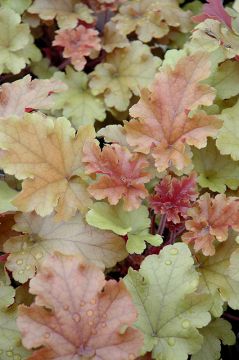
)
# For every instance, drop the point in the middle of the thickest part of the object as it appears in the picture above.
(151, 19)
(173, 197)
(210, 221)
(46, 154)
(43, 236)
(77, 44)
(6, 196)
(225, 79)
(113, 39)
(77, 103)
(16, 43)
(169, 312)
(122, 174)
(23, 94)
(66, 12)
(18, 6)
(218, 329)
(124, 72)
(216, 171)
(217, 276)
(134, 223)
(227, 139)
(214, 10)
(87, 328)
(164, 127)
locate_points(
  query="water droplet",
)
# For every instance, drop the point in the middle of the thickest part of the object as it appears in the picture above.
(28, 267)
(173, 251)
(17, 357)
(20, 272)
(168, 262)
(82, 303)
(19, 262)
(171, 341)
(9, 353)
(47, 335)
(66, 307)
(89, 313)
(93, 302)
(38, 256)
(131, 356)
(76, 317)
(103, 325)
(185, 324)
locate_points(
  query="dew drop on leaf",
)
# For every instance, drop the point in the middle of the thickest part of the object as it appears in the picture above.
(38, 256)
(89, 313)
(76, 317)
(19, 262)
(174, 251)
(185, 324)
(168, 262)
(47, 335)
(171, 341)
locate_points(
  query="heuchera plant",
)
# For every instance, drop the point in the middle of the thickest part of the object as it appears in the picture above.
(119, 186)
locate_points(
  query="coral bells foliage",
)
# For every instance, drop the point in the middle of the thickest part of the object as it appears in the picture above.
(119, 179)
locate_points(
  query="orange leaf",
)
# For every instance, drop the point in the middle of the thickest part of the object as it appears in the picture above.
(123, 175)
(77, 314)
(211, 219)
(164, 126)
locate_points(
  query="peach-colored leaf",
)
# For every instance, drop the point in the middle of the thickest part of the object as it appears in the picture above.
(78, 315)
(214, 10)
(46, 154)
(164, 126)
(78, 43)
(122, 174)
(210, 221)
(23, 94)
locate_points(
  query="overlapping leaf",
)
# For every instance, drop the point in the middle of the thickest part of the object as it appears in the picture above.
(124, 71)
(43, 236)
(122, 175)
(46, 154)
(164, 126)
(169, 312)
(90, 327)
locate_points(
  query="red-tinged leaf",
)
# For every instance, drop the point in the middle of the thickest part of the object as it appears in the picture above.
(162, 125)
(78, 43)
(77, 314)
(173, 197)
(211, 219)
(123, 174)
(214, 10)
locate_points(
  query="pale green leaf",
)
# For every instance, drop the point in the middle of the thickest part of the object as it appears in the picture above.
(6, 195)
(136, 243)
(169, 311)
(19, 6)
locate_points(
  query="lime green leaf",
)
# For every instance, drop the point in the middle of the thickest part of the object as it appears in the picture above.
(136, 243)
(6, 195)
(18, 6)
(228, 136)
(169, 312)
(225, 80)
(42, 69)
(16, 43)
(218, 276)
(216, 171)
(77, 103)
(7, 294)
(125, 72)
(217, 330)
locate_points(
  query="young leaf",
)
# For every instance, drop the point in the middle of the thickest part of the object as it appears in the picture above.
(23, 94)
(134, 223)
(77, 103)
(216, 172)
(210, 221)
(46, 153)
(78, 43)
(43, 236)
(90, 327)
(173, 197)
(218, 329)
(123, 174)
(169, 312)
(164, 126)
(125, 71)
(16, 43)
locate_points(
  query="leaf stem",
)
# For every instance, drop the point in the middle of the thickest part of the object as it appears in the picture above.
(230, 317)
(162, 224)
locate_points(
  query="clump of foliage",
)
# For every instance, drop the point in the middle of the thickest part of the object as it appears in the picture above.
(119, 188)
